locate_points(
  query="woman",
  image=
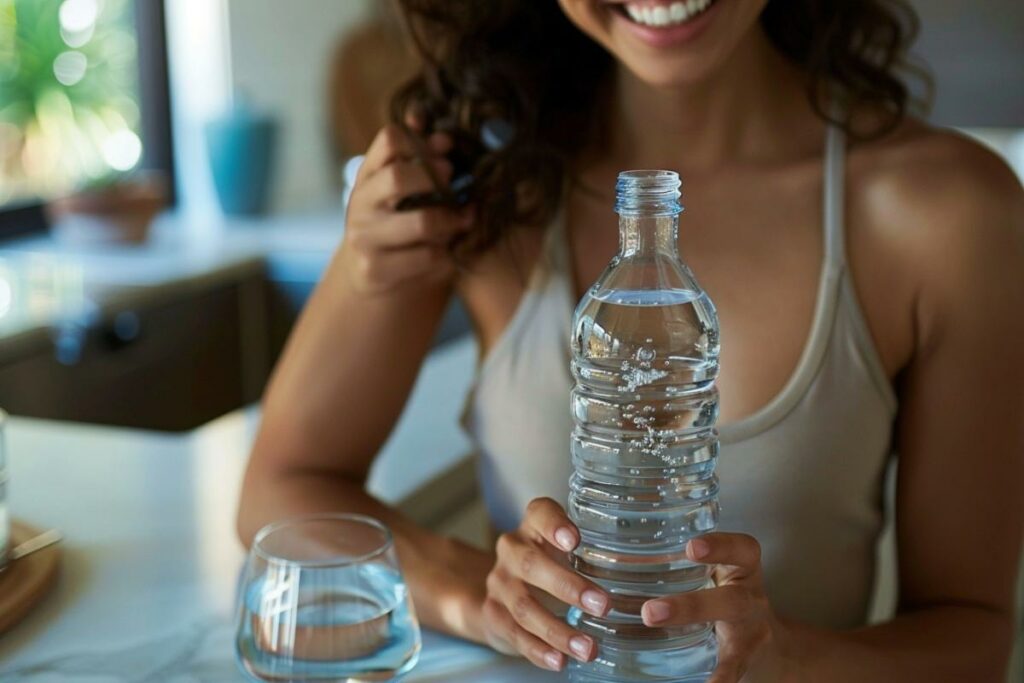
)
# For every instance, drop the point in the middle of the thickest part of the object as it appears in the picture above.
(886, 317)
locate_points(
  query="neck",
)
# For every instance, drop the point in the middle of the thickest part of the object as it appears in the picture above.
(748, 111)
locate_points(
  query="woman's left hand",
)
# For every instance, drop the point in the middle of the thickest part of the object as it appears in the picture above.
(750, 637)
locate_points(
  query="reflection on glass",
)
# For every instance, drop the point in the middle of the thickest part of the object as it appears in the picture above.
(69, 113)
(323, 599)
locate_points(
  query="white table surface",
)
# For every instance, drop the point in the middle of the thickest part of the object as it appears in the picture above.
(151, 559)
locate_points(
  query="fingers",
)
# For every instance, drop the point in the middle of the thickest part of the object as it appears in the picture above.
(524, 564)
(393, 143)
(546, 520)
(512, 638)
(732, 602)
(527, 563)
(386, 187)
(431, 226)
(741, 552)
(532, 616)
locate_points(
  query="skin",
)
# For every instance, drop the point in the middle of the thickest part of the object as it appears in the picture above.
(935, 242)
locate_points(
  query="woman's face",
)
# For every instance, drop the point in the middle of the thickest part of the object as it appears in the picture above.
(667, 42)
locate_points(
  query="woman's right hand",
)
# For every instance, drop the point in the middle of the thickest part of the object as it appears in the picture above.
(531, 565)
(383, 248)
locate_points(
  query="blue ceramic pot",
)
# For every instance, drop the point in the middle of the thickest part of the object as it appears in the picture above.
(241, 148)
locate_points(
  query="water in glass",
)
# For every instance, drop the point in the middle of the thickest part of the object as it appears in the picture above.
(324, 600)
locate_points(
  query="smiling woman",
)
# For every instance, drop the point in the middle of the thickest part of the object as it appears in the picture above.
(550, 81)
(854, 255)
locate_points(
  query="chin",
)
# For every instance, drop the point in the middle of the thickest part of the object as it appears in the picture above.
(667, 43)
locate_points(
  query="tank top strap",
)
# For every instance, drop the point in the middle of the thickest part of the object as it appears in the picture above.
(834, 197)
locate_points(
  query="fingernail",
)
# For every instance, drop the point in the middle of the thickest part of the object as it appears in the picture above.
(580, 646)
(699, 548)
(655, 612)
(595, 603)
(566, 539)
(553, 660)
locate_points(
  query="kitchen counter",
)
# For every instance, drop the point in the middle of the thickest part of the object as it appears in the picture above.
(151, 559)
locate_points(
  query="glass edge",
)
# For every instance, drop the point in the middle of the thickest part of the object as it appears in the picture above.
(387, 544)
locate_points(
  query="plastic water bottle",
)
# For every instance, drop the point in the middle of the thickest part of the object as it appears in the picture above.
(644, 444)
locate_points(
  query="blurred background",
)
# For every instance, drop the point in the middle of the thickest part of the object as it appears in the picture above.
(172, 175)
(172, 183)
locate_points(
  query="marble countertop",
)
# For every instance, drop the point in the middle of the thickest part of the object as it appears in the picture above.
(150, 558)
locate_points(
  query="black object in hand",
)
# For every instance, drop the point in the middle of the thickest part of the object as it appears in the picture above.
(458, 192)
(494, 135)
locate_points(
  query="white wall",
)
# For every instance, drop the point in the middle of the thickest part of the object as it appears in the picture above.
(280, 55)
(200, 78)
(976, 53)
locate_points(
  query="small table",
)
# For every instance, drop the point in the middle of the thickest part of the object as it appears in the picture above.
(151, 558)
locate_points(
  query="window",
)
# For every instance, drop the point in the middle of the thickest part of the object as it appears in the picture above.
(83, 96)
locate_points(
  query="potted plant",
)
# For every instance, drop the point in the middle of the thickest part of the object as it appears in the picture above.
(69, 114)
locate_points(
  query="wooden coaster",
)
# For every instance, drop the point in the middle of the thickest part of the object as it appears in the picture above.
(26, 581)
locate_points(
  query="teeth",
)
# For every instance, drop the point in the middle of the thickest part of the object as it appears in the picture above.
(666, 15)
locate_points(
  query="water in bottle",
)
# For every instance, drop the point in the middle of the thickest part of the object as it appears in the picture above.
(644, 444)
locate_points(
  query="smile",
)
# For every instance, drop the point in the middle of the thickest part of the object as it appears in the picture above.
(664, 15)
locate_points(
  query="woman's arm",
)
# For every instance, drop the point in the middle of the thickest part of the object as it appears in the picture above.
(347, 371)
(960, 439)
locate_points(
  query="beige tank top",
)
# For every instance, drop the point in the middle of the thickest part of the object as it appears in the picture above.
(803, 474)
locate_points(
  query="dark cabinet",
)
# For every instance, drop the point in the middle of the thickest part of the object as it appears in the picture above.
(168, 358)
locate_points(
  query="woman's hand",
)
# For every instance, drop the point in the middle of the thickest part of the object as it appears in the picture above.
(530, 566)
(531, 562)
(384, 248)
(749, 635)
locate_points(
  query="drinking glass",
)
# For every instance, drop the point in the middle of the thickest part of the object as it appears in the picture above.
(323, 599)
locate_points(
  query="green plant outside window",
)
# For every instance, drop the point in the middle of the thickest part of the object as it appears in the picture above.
(69, 110)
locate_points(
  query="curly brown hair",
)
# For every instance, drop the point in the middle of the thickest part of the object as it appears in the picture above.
(524, 63)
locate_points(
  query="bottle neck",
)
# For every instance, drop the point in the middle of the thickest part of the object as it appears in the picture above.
(643, 236)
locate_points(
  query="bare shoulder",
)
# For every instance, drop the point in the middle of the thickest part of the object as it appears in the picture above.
(936, 223)
(936, 197)
(927, 185)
